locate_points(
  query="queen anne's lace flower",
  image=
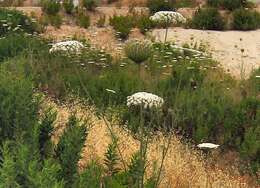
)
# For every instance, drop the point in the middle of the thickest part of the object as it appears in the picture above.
(72, 46)
(168, 17)
(147, 100)
(208, 145)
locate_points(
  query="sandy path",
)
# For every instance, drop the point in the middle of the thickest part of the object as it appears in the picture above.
(225, 46)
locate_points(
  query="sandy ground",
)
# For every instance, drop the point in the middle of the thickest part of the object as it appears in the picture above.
(235, 50)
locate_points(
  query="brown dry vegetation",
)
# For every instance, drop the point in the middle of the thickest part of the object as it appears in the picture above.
(184, 166)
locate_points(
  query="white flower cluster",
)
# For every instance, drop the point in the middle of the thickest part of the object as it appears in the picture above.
(72, 46)
(148, 100)
(168, 17)
(208, 145)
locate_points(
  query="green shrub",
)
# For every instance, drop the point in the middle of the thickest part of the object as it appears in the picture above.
(90, 4)
(17, 108)
(232, 4)
(83, 20)
(91, 175)
(214, 3)
(68, 6)
(51, 7)
(226, 4)
(15, 21)
(144, 23)
(185, 3)
(208, 18)
(138, 51)
(122, 25)
(54, 20)
(15, 44)
(69, 148)
(246, 20)
(159, 5)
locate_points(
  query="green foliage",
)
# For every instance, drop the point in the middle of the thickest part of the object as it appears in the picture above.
(15, 21)
(83, 20)
(245, 19)
(51, 7)
(145, 23)
(21, 168)
(46, 128)
(15, 44)
(68, 6)
(185, 3)
(138, 51)
(54, 20)
(69, 148)
(208, 18)
(90, 4)
(18, 110)
(158, 5)
(227, 4)
(91, 176)
(112, 159)
(122, 25)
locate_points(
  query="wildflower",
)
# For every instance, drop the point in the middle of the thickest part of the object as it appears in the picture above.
(208, 145)
(168, 17)
(67, 46)
(147, 100)
(111, 91)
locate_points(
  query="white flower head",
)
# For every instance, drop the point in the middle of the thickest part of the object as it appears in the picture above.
(147, 100)
(208, 145)
(168, 17)
(111, 91)
(72, 46)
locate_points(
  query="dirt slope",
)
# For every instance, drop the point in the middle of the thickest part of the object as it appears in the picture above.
(183, 166)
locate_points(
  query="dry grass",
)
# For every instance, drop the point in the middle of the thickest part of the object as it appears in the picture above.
(183, 166)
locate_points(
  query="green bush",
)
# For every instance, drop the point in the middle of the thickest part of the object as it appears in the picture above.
(232, 4)
(226, 4)
(68, 6)
(208, 18)
(12, 21)
(51, 7)
(83, 20)
(90, 4)
(138, 51)
(15, 44)
(54, 20)
(144, 23)
(18, 110)
(159, 5)
(245, 20)
(69, 149)
(122, 25)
